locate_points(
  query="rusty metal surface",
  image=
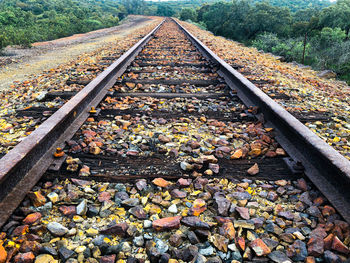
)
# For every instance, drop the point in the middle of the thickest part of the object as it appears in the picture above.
(324, 166)
(24, 165)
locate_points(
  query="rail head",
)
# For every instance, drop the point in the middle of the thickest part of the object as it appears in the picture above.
(325, 167)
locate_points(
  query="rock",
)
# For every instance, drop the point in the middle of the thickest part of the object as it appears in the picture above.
(175, 240)
(44, 258)
(219, 242)
(57, 229)
(273, 228)
(305, 198)
(330, 257)
(301, 184)
(339, 246)
(259, 247)
(327, 74)
(130, 202)
(182, 182)
(161, 246)
(176, 193)
(141, 184)
(227, 230)
(32, 218)
(24, 257)
(272, 196)
(139, 241)
(108, 259)
(3, 254)
(200, 259)
(166, 223)
(315, 246)
(104, 196)
(161, 182)
(82, 208)
(243, 212)
(91, 232)
(206, 251)
(68, 210)
(138, 212)
(244, 224)
(117, 229)
(37, 198)
(192, 238)
(194, 222)
(254, 170)
(222, 205)
(172, 209)
(241, 195)
(65, 253)
(147, 224)
(297, 251)
(189, 253)
(53, 197)
(164, 258)
(279, 257)
(186, 166)
(313, 211)
(125, 247)
(198, 207)
(153, 254)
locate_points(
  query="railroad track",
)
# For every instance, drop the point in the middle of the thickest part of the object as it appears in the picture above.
(170, 108)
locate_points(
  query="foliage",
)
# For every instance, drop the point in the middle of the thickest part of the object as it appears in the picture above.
(23, 22)
(188, 14)
(285, 28)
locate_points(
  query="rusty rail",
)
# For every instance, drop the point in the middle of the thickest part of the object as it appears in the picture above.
(24, 165)
(324, 166)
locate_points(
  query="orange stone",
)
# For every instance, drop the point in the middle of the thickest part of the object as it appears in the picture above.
(37, 198)
(328, 210)
(254, 170)
(3, 254)
(259, 247)
(32, 218)
(199, 206)
(167, 223)
(161, 182)
(68, 210)
(241, 243)
(228, 230)
(337, 245)
(328, 241)
(20, 230)
(25, 257)
(310, 259)
(237, 154)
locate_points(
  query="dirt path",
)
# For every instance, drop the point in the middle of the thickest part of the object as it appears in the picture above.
(45, 55)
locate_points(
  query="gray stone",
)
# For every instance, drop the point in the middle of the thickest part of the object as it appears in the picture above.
(147, 224)
(172, 209)
(161, 246)
(57, 229)
(65, 253)
(82, 208)
(131, 202)
(279, 257)
(139, 241)
(208, 251)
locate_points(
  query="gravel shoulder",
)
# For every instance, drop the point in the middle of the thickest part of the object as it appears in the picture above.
(19, 64)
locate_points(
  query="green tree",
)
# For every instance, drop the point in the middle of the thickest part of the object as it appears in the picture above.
(188, 14)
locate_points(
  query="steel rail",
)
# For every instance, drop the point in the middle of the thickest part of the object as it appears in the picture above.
(324, 166)
(24, 165)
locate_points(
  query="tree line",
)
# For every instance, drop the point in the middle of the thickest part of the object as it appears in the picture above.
(23, 22)
(312, 32)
